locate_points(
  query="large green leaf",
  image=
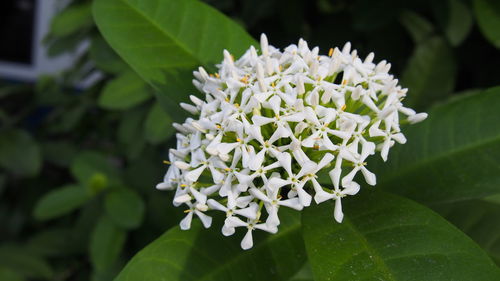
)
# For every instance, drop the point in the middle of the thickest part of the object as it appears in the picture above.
(200, 254)
(60, 201)
(123, 92)
(19, 153)
(430, 73)
(159, 38)
(488, 18)
(479, 219)
(453, 155)
(385, 237)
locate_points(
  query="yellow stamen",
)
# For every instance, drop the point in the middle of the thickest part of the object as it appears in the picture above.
(217, 75)
(237, 105)
(211, 75)
(167, 162)
(344, 82)
(281, 68)
(316, 147)
(227, 99)
(238, 139)
(244, 79)
(343, 107)
(218, 126)
(187, 211)
(273, 85)
(330, 52)
(227, 169)
(183, 185)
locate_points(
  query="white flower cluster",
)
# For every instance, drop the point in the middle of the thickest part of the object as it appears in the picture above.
(270, 122)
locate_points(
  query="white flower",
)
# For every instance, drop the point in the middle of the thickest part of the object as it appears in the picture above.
(251, 225)
(269, 123)
(186, 221)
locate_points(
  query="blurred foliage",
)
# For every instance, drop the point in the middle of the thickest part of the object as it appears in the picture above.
(78, 166)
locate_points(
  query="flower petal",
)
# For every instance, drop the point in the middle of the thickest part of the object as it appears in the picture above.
(338, 214)
(205, 220)
(247, 241)
(185, 223)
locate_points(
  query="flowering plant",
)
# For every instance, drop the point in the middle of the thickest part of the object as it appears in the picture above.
(270, 122)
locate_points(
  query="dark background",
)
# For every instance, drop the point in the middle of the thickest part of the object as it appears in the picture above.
(49, 127)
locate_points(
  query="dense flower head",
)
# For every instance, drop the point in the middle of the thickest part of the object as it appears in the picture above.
(270, 121)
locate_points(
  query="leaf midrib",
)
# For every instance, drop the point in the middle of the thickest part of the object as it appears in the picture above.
(144, 16)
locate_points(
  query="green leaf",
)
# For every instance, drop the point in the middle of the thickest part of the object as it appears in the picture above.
(67, 44)
(125, 208)
(174, 91)
(455, 20)
(25, 263)
(19, 153)
(106, 244)
(48, 243)
(73, 19)
(385, 237)
(478, 219)
(453, 155)
(131, 131)
(60, 201)
(160, 38)
(104, 57)
(493, 198)
(85, 220)
(123, 92)
(108, 274)
(430, 73)
(304, 274)
(7, 274)
(158, 125)
(89, 163)
(130, 127)
(420, 29)
(200, 254)
(488, 18)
